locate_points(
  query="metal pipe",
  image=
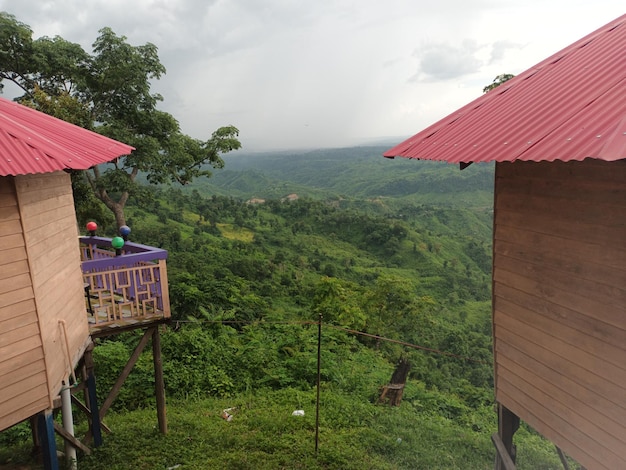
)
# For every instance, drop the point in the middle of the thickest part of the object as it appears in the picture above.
(68, 425)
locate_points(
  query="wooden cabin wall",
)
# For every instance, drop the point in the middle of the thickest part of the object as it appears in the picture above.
(49, 221)
(559, 311)
(23, 382)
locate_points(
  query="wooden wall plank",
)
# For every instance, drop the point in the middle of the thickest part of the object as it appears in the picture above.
(564, 366)
(566, 228)
(14, 269)
(61, 261)
(28, 356)
(603, 294)
(14, 323)
(14, 349)
(18, 377)
(10, 227)
(15, 283)
(563, 209)
(27, 406)
(559, 295)
(596, 406)
(51, 230)
(18, 334)
(578, 242)
(11, 255)
(34, 182)
(27, 383)
(584, 323)
(6, 185)
(582, 432)
(588, 170)
(51, 185)
(12, 241)
(47, 205)
(580, 340)
(9, 212)
(20, 308)
(19, 405)
(564, 296)
(595, 192)
(51, 239)
(593, 364)
(23, 380)
(16, 296)
(547, 423)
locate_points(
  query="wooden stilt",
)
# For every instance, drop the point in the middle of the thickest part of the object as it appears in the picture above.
(34, 431)
(508, 424)
(159, 384)
(563, 458)
(96, 428)
(125, 372)
(45, 427)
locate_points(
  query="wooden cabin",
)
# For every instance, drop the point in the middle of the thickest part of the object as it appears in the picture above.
(43, 332)
(44, 328)
(557, 133)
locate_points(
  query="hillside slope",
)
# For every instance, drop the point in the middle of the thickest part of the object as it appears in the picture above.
(353, 172)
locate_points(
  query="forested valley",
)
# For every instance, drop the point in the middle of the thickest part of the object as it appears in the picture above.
(394, 259)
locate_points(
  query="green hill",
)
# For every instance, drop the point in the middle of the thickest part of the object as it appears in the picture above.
(355, 172)
(393, 256)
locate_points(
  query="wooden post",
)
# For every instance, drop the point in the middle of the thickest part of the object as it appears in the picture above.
(319, 377)
(508, 423)
(34, 431)
(96, 427)
(159, 384)
(45, 427)
(90, 396)
(125, 372)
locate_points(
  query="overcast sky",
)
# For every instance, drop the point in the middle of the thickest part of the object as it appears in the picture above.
(323, 73)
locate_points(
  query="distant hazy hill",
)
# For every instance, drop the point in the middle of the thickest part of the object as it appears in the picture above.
(354, 172)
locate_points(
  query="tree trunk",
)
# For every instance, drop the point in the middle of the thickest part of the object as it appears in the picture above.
(120, 217)
(117, 207)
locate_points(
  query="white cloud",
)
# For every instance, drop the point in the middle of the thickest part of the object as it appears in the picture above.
(324, 73)
(444, 61)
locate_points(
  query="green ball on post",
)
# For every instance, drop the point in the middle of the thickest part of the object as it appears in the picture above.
(118, 244)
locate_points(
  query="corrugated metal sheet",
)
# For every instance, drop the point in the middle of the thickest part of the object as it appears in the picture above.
(34, 142)
(571, 106)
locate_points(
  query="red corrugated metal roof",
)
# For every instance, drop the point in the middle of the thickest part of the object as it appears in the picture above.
(571, 106)
(34, 142)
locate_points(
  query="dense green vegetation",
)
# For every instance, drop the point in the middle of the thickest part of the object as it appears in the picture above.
(248, 284)
(353, 173)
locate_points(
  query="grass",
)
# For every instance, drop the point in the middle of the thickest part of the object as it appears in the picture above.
(236, 233)
(263, 434)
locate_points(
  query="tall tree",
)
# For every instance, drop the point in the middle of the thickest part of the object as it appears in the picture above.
(109, 92)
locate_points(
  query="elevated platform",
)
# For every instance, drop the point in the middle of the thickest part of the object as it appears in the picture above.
(124, 289)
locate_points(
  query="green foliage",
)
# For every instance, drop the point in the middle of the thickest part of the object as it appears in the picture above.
(499, 80)
(110, 92)
(110, 358)
(354, 177)
(245, 337)
(247, 285)
(263, 434)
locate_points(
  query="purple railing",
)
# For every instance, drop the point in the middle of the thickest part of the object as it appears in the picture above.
(124, 285)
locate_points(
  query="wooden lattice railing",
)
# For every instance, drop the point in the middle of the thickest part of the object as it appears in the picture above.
(124, 286)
